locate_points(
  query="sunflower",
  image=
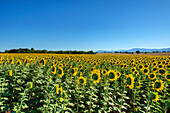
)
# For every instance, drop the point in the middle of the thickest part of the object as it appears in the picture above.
(160, 66)
(19, 62)
(136, 72)
(10, 72)
(154, 64)
(53, 69)
(57, 88)
(121, 66)
(73, 71)
(168, 66)
(60, 65)
(158, 85)
(61, 99)
(138, 85)
(85, 68)
(31, 84)
(61, 90)
(145, 71)
(152, 76)
(130, 81)
(95, 76)
(118, 74)
(162, 72)
(80, 66)
(140, 66)
(154, 69)
(81, 80)
(42, 62)
(104, 72)
(112, 75)
(154, 96)
(167, 77)
(146, 66)
(132, 70)
(60, 71)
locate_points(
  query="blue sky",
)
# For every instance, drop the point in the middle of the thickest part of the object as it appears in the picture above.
(84, 24)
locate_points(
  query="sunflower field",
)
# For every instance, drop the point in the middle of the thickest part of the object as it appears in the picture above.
(63, 83)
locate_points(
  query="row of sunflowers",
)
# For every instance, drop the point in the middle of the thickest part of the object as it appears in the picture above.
(62, 83)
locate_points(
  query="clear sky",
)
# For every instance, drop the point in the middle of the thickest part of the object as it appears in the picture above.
(84, 24)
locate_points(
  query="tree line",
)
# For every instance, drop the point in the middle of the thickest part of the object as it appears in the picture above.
(32, 50)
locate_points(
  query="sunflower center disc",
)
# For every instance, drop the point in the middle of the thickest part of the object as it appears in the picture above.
(168, 76)
(111, 75)
(162, 71)
(152, 75)
(145, 71)
(95, 76)
(81, 81)
(152, 96)
(157, 84)
(129, 81)
(59, 71)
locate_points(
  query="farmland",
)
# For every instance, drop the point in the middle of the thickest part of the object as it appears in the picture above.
(108, 83)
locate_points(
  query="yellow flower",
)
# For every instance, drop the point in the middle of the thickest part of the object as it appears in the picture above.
(112, 75)
(61, 99)
(140, 66)
(167, 77)
(118, 74)
(158, 85)
(60, 71)
(61, 90)
(53, 69)
(80, 66)
(145, 71)
(81, 80)
(138, 85)
(162, 72)
(130, 81)
(57, 88)
(104, 72)
(73, 71)
(31, 84)
(10, 72)
(154, 97)
(152, 76)
(132, 70)
(95, 76)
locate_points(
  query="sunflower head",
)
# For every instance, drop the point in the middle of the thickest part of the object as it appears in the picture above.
(112, 75)
(104, 72)
(154, 69)
(81, 80)
(158, 85)
(10, 72)
(162, 71)
(95, 76)
(140, 67)
(138, 84)
(145, 70)
(133, 70)
(152, 76)
(130, 81)
(118, 74)
(80, 66)
(53, 69)
(154, 96)
(60, 71)
(167, 77)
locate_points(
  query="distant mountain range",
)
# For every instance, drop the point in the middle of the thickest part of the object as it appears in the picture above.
(134, 50)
